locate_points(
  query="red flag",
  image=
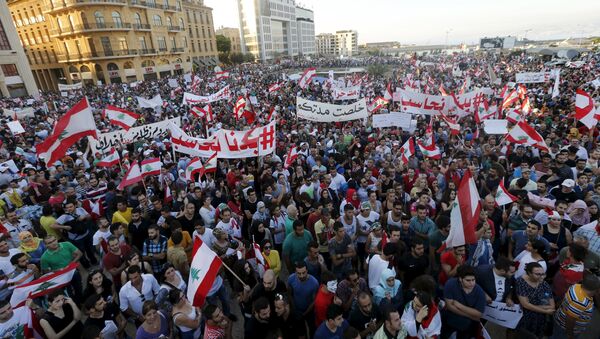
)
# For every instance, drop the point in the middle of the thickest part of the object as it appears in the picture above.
(133, 175)
(306, 78)
(120, 117)
(203, 272)
(290, 157)
(584, 109)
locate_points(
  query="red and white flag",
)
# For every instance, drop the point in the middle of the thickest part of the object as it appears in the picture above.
(151, 167)
(523, 134)
(168, 195)
(503, 197)
(203, 272)
(133, 175)
(377, 104)
(510, 99)
(221, 75)
(525, 106)
(240, 106)
(43, 285)
(195, 83)
(443, 91)
(69, 129)
(203, 113)
(584, 109)
(522, 91)
(259, 257)
(513, 115)
(452, 124)
(407, 150)
(274, 87)
(388, 95)
(120, 117)
(27, 324)
(306, 78)
(464, 214)
(272, 114)
(195, 166)
(430, 151)
(112, 159)
(290, 157)
(210, 166)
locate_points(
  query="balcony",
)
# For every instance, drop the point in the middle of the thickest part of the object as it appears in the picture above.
(97, 55)
(146, 51)
(57, 5)
(142, 3)
(177, 50)
(174, 28)
(169, 8)
(110, 26)
(141, 27)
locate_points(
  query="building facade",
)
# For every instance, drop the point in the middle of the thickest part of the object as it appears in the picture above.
(305, 26)
(342, 43)
(105, 41)
(233, 34)
(201, 31)
(16, 78)
(269, 28)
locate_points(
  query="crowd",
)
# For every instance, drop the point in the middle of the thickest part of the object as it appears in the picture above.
(350, 234)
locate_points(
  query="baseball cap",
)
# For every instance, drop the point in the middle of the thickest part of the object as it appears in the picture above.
(568, 183)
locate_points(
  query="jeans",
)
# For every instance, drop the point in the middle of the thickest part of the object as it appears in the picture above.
(560, 333)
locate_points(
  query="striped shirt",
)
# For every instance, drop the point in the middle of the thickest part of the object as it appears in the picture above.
(576, 305)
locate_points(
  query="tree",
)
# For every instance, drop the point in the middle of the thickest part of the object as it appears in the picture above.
(223, 44)
(236, 58)
(224, 58)
(248, 57)
(377, 70)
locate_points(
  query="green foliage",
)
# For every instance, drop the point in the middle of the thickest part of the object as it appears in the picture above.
(223, 44)
(377, 70)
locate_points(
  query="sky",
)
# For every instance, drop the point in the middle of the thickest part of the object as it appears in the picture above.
(428, 22)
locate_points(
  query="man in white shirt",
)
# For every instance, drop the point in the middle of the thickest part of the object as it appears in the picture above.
(204, 233)
(15, 225)
(136, 291)
(100, 238)
(337, 180)
(380, 262)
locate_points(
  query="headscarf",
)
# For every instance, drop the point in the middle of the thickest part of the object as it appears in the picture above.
(30, 246)
(383, 287)
(355, 202)
(577, 218)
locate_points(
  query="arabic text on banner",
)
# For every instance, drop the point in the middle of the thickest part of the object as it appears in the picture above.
(499, 313)
(322, 112)
(419, 103)
(106, 141)
(193, 99)
(231, 144)
(394, 119)
(150, 103)
(64, 87)
(532, 77)
(346, 93)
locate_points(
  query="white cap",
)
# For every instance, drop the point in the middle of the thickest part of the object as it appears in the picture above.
(568, 183)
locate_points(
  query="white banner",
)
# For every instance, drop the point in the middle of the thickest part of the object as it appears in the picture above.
(231, 144)
(15, 127)
(193, 99)
(495, 126)
(150, 103)
(503, 315)
(106, 141)
(322, 112)
(419, 103)
(394, 119)
(531, 77)
(173, 83)
(468, 102)
(27, 112)
(64, 87)
(347, 93)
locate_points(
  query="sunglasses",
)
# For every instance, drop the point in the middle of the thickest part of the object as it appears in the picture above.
(267, 247)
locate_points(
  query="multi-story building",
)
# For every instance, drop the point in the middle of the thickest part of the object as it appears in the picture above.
(305, 26)
(269, 28)
(201, 31)
(234, 36)
(107, 41)
(342, 43)
(16, 78)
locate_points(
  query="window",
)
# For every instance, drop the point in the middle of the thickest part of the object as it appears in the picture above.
(169, 22)
(10, 70)
(157, 20)
(162, 43)
(181, 24)
(123, 44)
(143, 43)
(185, 42)
(99, 17)
(117, 19)
(4, 43)
(193, 47)
(106, 45)
(173, 43)
(137, 19)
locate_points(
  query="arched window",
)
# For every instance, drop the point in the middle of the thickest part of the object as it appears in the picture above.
(137, 19)
(181, 24)
(157, 20)
(117, 19)
(169, 22)
(99, 17)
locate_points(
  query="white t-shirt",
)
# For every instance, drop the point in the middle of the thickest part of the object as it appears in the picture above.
(13, 327)
(232, 228)
(365, 224)
(5, 264)
(208, 238)
(525, 258)
(100, 236)
(337, 182)
(500, 286)
(376, 267)
(65, 218)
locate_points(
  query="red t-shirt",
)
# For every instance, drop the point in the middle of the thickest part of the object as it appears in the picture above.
(448, 258)
(111, 260)
(322, 301)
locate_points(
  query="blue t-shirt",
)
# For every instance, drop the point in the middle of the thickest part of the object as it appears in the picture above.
(475, 299)
(323, 332)
(303, 291)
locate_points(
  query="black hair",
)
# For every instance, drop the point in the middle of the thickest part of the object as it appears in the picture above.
(334, 311)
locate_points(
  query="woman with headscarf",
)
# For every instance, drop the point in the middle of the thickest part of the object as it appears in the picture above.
(351, 198)
(579, 214)
(389, 290)
(32, 246)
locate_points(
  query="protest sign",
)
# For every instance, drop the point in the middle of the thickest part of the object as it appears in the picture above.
(27, 112)
(12, 167)
(150, 103)
(468, 102)
(419, 103)
(193, 99)
(15, 127)
(495, 126)
(394, 119)
(531, 77)
(106, 141)
(173, 83)
(503, 315)
(65, 87)
(346, 93)
(322, 112)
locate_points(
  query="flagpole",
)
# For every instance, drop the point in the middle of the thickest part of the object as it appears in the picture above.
(234, 274)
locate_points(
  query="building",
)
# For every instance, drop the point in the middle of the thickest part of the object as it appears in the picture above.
(234, 36)
(16, 78)
(109, 41)
(342, 43)
(269, 28)
(201, 31)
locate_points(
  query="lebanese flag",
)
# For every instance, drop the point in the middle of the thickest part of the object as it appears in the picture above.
(306, 78)
(377, 104)
(193, 167)
(387, 94)
(69, 129)
(584, 109)
(454, 126)
(274, 87)
(271, 114)
(195, 83)
(526, 106)
(431, 150)
(112, 159)
(209, 167)
(133, 175)
(203, 272)
(523, 134)
(259, 257)
(240, 105)
(513, 116)
(29, 325)
(43, 285)
(510, 99)
(221, 75)
(120, 117)
(151, 167)
(442, 91)
(203, 113)
(407, 150)
(503, 197)
(290, 157)
(168, 195)
(522, 91)
(464, 214)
